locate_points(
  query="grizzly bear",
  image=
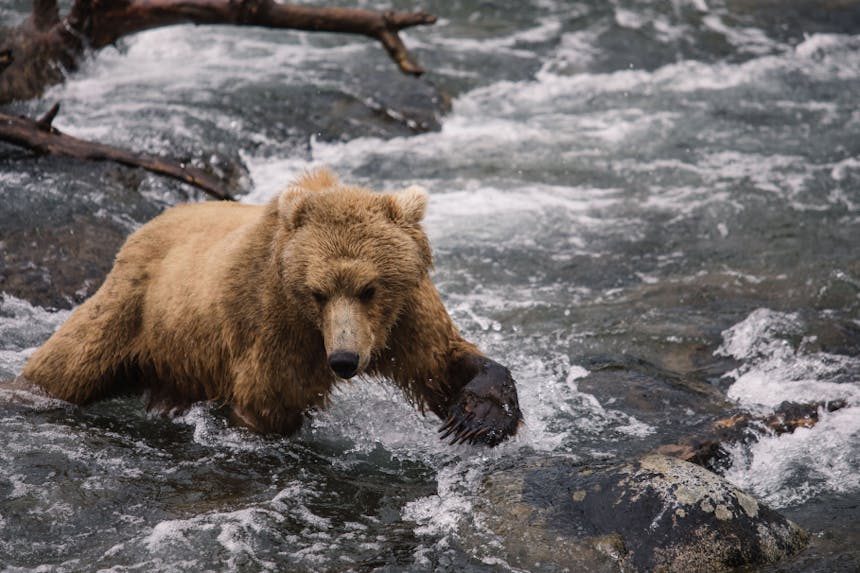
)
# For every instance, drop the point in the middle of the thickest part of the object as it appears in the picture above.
(263, 309)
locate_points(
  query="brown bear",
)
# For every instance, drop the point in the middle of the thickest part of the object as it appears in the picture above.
(263, 309)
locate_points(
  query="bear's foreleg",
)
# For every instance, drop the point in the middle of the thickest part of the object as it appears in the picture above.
(268, 397)
(474, 395)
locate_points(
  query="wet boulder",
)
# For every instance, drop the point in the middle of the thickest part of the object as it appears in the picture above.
(653, 514)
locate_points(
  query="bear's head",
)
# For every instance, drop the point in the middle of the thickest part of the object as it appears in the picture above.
(352, 259)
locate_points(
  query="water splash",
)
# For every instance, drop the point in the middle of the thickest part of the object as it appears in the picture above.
(793, 468)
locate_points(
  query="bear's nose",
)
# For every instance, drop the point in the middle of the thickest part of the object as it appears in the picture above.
(344, 364)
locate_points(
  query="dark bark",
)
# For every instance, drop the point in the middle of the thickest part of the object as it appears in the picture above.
(706, 449)
(42, 137)
(5, 59)
(35, 55)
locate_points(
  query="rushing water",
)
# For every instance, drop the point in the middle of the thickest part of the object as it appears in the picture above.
(649, 210)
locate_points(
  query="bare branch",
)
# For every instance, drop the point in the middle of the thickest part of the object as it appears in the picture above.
(45, 122)
(106, 21)
(40, 136)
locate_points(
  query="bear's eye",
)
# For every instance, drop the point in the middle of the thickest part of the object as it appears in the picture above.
(321, 298)
(366, 294)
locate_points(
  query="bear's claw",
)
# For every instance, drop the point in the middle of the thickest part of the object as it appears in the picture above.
(487, 410)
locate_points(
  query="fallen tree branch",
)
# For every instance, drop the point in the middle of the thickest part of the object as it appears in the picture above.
(46, 42)
(707, 448)
(42, 137)
(106, 22)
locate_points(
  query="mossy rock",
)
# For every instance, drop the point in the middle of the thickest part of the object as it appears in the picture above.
(653, 514)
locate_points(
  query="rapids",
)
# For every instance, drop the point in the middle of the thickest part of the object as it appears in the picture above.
(650, 211)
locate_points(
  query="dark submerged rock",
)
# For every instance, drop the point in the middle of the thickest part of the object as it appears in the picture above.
(653, 514)
(58, 266)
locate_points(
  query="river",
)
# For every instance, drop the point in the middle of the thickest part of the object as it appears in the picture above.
(650, 211)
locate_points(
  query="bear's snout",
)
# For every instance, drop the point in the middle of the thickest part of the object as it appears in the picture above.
(344, 364)
(347, 336)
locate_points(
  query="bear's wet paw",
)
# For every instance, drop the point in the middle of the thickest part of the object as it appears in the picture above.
(487, 411)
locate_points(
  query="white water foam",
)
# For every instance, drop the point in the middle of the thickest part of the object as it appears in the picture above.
(511, 44)
(486, 130)
(223, 58)
(441, 514)
(215, 432)
(244, 534)
(792, 468)
(774, 371)
(22, 328)
(232, 530)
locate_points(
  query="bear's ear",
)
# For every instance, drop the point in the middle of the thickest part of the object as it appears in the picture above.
(409, 205)
(293, 206)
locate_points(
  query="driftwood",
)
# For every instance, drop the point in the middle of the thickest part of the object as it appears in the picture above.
(44, 48)
(706, 449)
(42, 137)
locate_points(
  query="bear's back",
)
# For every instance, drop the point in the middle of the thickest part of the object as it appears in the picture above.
(192, 226)
(210, 218)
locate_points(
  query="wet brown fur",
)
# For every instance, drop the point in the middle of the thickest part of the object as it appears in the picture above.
(215, 301)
